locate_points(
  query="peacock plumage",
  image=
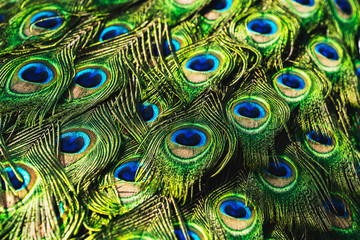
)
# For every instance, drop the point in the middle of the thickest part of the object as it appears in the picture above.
(180, 119)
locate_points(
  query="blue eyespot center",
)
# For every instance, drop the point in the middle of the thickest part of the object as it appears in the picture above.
(327, 51)
(166, 47)
(59, 211)
(74, 142)
(180, 235)
(90, 78)
(236, 209)
(309, 3)
(250, 110)
(36, 73)
(127, 171)
(262, 26)
(15, 182)
(336, 207)
(221, 5)
(47, 19)
(149, 112)
(358, 72)
(345, 6)
(112, 31)
(291, 80)
(190, 137)
(279, 169)
(203, 63)
(320, 138)
(2, 17)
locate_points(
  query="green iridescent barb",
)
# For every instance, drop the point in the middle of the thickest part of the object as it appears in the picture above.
(179, 119)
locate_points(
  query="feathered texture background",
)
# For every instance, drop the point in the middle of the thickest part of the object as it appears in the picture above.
(179, 119)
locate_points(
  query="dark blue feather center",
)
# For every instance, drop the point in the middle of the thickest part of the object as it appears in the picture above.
(221, 5)
(36, 73)
(15, 182)
(149, 112)
(189, 137)
(336, 207)
(127, 171)
(180, 235)
(327, 51)
(113, 31)
(305, 2)
(236, 209)
(74, 142)
(262, 26)
(203, 63)
(90, 78)
(71, 144)
(292, 81)
(279, 169)
(249, 110)
(191, 140)
(320, 138)
(47, 19)
(344, 5)
(358, 72)
(166, 47)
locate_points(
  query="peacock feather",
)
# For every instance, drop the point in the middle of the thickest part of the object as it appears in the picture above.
(180, 119)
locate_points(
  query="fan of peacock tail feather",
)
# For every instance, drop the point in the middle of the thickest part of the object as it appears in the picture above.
(180, 119)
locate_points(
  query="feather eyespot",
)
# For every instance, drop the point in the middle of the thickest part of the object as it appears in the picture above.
(113, 31)
(36, 72)
(127, 184)
(304, 6)
(235, 214)
(47, 19)
(327, 54)
(189, 137)
(15, 182)
(305, 2)
(127, 171)
(216, 8)
(32, 76)
(188, 142)
(343, 8)
(89, 80)
(74, 144)
(263, 28)
(62, 211)
(203, 63)
(292, 84)
(192, 232)
(221, 5)
(357, 69)
(22, 186)
(320, 142)
(201, 67)
(279, 174)
(327, 51)
(42, 22)
(250, 113)
(149, 112)
(175, 43)
(338, 212)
